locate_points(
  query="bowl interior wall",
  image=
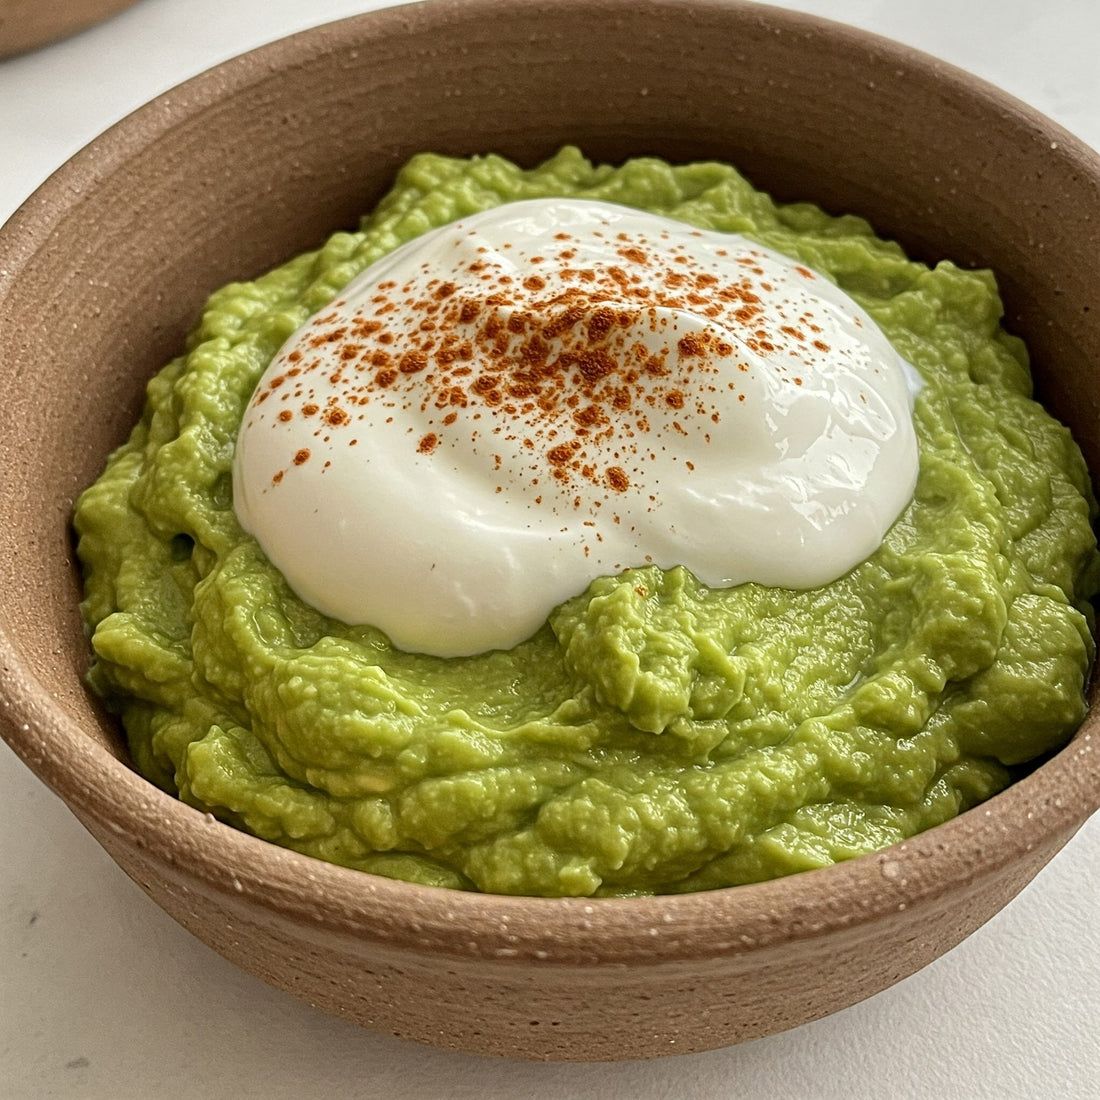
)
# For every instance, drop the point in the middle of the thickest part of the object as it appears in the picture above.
(105, 271)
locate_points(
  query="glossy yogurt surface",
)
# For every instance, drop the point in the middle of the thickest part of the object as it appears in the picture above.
(511, 405)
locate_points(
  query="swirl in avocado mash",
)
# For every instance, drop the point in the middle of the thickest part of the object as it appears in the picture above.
(655, 735)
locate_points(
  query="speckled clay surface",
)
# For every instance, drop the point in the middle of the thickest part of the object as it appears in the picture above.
(104, 268)
(27, 24)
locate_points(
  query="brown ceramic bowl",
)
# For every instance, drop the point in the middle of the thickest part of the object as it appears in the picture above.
(105, 267)
(27, 24)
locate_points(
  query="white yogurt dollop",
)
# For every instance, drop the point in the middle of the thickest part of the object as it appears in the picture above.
(509, 406)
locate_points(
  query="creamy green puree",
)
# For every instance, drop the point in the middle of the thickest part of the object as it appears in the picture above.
(654, 735)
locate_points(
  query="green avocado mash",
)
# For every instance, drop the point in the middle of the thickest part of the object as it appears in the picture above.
(654, 735)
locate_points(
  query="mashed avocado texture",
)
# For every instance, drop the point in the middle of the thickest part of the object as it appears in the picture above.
(655, 735)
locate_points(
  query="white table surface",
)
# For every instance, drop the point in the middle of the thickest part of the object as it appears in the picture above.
(102, 995)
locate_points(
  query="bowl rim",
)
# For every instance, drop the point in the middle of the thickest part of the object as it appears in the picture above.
(1063, 791)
